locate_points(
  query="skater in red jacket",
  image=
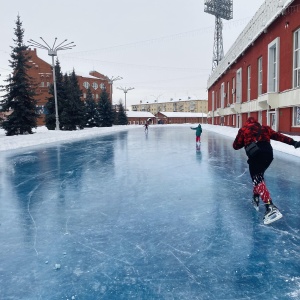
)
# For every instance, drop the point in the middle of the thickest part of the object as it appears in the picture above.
(256, 140)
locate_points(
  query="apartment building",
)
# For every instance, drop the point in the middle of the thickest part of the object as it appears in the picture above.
(196, 106)
(260, 74)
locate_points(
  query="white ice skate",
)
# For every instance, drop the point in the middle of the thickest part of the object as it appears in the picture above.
(272, 214)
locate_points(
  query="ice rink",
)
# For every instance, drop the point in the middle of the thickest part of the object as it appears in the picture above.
(145, 216)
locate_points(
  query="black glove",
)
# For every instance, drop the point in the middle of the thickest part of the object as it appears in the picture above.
(296, 144)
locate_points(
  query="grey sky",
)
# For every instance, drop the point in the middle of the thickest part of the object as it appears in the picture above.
(162, 48)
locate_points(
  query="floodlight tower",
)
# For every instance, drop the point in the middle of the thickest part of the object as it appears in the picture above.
(221, 9)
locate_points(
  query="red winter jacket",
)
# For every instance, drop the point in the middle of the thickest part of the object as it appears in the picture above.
(247, 134)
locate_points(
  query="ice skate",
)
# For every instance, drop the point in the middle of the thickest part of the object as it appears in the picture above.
(272, 214)
(255, 202)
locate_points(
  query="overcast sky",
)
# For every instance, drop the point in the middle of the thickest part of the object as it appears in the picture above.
(162, 48)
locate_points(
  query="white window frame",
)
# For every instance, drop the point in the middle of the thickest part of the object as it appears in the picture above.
(95, 85)
(296, 59)
(239, 85)
(259, 76)
(86, 84)
(296, 116)
(222, 94)
(260, 116)
(233, 90)
(273, 66)
(228, 94)
(248, 83)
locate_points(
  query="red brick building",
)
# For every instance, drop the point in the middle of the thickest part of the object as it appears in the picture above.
(260, 74)
(41, 72)
(180, 117)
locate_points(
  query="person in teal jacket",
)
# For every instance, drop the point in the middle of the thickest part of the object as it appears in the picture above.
(198, 132)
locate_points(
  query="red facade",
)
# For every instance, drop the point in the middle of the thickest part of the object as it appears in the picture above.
(238, 92)
(41, 72)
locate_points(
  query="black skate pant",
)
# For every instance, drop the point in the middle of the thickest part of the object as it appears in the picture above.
(257, 167)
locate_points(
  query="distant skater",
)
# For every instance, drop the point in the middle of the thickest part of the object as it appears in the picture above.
(198, 132)
(146, 127)
(256, 140)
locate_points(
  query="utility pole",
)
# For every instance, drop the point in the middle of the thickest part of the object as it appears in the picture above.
(125, 90)
(52, 51)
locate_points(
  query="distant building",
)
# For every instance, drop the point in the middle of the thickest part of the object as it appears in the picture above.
(140, 117)
(180, 117)
(260, 74)
(41, 72)
(196, 106)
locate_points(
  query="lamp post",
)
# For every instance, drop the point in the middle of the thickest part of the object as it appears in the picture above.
(52, 51)
(125, 90)
(111, 81)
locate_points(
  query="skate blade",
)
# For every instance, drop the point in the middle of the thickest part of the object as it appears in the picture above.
(272, 218)
(256, 207)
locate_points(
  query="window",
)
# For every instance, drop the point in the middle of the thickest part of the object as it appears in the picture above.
(249, 83)
(102, 86)
(233, 90)
(273, 57)
(239, 86)
(222, 94)
(84, 95)
(260, 116)
(296, 72)
(42, 84)
(259, 64)
(95, 85)
(296, 116)
(48, 83)
(86, 84)
(228, 94)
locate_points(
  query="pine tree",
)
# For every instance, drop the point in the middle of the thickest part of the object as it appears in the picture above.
(106, 114)
(50, 118)
(91, 112)
(121, 115)
(73, 113)
(20, 89)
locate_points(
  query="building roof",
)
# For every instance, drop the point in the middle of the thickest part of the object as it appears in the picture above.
(183, 114)
(139, 114)
(265, 16)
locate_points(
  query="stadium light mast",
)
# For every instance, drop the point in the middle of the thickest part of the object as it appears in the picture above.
(125, 90)
(221, 9)
(52, 51)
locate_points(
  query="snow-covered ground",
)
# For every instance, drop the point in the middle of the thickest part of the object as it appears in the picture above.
(44, 136)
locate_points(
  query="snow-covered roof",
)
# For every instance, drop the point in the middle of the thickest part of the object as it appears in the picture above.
(265, 16)
(183, 114)
(139, 114)
(86, 75)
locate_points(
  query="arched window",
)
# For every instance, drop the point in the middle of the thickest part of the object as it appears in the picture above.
(86, 84)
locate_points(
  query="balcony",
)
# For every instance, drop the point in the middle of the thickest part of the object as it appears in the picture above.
(235, 107)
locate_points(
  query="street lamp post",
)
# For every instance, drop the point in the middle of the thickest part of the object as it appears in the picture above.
(111, 81)
(125, 90)
(52, 51)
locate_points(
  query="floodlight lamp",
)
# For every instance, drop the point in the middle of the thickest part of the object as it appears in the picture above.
(219, 8)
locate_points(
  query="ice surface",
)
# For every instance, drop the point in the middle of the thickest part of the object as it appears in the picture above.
(135, 216)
